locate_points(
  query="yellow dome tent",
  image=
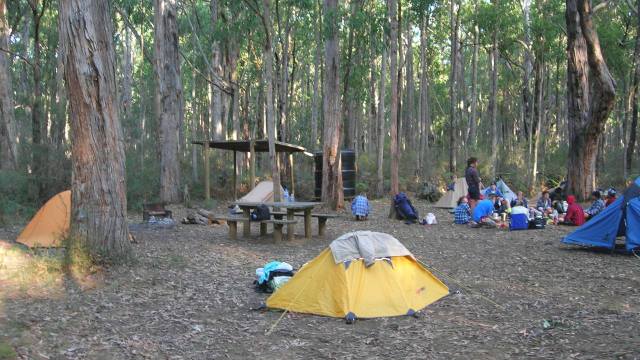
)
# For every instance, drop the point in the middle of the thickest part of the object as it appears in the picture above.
(374, 284)
(50, 223)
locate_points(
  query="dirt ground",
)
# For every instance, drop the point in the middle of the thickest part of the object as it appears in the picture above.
(190, 296)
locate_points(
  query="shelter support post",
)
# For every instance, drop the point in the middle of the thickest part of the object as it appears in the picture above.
(252, 164)
(307, 223)
(235, 175)
(207, 189)
(293, 186)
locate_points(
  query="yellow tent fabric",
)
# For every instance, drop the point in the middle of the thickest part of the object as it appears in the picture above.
(322, 287)
(49, 224)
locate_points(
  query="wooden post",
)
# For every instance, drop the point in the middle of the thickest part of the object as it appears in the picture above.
(293, 187)
(235, 175)
(252, 164)
(207, 188)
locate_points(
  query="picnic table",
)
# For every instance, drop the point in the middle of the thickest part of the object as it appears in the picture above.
(291, 208)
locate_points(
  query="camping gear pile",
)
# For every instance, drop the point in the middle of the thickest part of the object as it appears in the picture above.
(361, 274)
(429, 192)
(622, 218)
(272, 276)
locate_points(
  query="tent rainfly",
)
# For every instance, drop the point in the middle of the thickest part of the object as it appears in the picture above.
(450, 198)
(50, 223)
(362, 274)
(622, 218)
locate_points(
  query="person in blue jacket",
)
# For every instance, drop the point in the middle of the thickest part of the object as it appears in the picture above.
(483, 211)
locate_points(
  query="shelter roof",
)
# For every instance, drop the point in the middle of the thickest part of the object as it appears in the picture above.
(259, 146)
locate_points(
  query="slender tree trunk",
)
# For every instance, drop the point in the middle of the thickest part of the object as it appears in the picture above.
(529, 119)
(127, 80)
(380, 125)
(539, 118)
(473, 121)
(347, 104)
(590, 97)
(8, 131)
(453, 89)
(493, 104)
(58, 136)
(98, 200)
(634, 96)
(372, 123)
(216, 107)
(169, 90)
(332, 192)
(317, 65)
(424, 98)
(410, 113)
(268, 81)
(393, 71)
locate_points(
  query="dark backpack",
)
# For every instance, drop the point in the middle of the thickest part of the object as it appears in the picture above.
(404, 208)
(261, 213)
(537, 223)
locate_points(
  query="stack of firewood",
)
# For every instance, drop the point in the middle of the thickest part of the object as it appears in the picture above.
(200, 217)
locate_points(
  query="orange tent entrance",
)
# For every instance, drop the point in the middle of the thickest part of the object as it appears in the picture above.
(50, 224)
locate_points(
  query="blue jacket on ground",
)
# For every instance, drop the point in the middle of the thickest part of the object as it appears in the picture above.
(482, 209)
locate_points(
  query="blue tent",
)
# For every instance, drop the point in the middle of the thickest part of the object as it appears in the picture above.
(622, 218)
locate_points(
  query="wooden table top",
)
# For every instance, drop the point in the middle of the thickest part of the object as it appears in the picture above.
(285, 205)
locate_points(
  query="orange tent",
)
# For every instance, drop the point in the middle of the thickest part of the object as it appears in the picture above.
(50, 224)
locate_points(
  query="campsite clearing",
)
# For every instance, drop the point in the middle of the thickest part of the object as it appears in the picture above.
(190, 296)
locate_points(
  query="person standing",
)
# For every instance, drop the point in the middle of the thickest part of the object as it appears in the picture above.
(474, 183)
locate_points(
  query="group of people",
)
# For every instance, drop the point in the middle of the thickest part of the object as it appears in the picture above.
(478, 208)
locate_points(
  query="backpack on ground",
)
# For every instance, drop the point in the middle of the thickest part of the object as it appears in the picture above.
(261, 213)
(404, 208)
(537, 224)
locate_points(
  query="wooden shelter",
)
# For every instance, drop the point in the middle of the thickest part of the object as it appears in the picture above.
(250, 146)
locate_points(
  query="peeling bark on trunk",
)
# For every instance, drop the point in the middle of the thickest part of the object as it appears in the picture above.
(332, 193)
(8, 131)
(98, 200)
(169, 90)
(590, 97)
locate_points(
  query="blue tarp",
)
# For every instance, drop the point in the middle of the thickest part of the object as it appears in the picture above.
(601, 231)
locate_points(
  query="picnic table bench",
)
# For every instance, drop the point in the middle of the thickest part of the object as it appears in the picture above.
(278, 224)
(290, 207)
(322, 219)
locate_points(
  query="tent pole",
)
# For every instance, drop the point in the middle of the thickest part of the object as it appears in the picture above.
(207, 188)
(235, 175)
(293, 187)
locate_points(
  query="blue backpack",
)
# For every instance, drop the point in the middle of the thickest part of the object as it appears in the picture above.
(404, 208)
(519, 222)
